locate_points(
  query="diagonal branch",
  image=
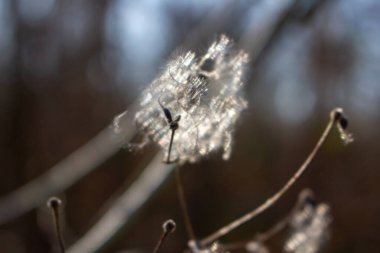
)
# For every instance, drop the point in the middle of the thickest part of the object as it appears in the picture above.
(124, 207)
(81, 162)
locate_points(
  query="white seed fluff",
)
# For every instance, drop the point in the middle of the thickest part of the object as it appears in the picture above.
(206, 92)
(310, 229)
(213, 248)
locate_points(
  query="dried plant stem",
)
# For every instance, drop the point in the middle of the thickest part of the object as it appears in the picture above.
(161, 241)
(168, 227)
(272, 231)
(54, 205)
(170, 145)
(269, 202)
(58, 230)
(262, 237)
(183, 203)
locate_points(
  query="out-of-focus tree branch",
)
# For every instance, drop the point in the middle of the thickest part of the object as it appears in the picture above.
(124, 207)
(81, 162)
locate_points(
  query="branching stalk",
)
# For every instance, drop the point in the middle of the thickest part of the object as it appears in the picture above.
(275, 229)
(272, 200)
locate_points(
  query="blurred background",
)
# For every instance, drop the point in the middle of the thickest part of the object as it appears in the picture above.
(67, 68)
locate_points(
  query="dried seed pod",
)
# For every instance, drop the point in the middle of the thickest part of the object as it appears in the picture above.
(169, 226)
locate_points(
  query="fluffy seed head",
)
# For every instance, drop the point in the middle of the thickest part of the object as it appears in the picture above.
(207, 94)
(309, 229)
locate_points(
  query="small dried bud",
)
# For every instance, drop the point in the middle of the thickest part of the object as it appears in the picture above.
(310, 200)
(307, 197)
(54, 203)
(338, 112)
(169, 226)
(342, 124)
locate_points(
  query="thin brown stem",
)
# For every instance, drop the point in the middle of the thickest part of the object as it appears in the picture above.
(183, 203)
(272, 200)
(54, 204)
(161, 241)
(274, 230)
(168, 227)
(262, 237)
(170, 145)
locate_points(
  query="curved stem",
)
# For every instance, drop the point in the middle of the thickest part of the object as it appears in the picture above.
(58, 228)
(161, 241)
(275, 229)
(269, 202)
